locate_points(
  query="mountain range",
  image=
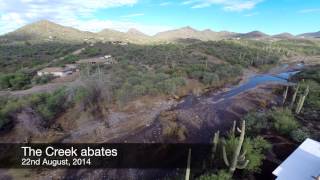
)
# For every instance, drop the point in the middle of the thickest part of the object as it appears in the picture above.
(44, 30)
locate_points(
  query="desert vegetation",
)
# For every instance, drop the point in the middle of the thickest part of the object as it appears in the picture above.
(213, 63)
(233, 152)
(242, 152)
(299, 115)
(163, 70)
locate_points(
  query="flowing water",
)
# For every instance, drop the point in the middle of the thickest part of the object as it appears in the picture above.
(254, 81)
(278, 75)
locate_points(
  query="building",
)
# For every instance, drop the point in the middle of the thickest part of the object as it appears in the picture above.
(72, 67)
(119, 43)
(302, 164)
(55, 71)
(107, 59)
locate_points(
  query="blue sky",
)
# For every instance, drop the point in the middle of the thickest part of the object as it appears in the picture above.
(152, 16)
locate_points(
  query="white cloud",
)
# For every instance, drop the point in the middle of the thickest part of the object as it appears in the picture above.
(315, 10)
(75, 13)
(11, 21)
(16, 13)
(228, 5)
(123, 26)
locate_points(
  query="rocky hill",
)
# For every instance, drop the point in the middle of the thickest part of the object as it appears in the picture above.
(253, 35)
(310, 35)
(46, 31)
(190, 33)
(284, 36)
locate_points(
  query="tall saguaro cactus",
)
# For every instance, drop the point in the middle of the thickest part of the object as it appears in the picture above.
(215, 144)
(302, 100)
(294, 97)
(238, 160)
(188, 166)
(285, 94)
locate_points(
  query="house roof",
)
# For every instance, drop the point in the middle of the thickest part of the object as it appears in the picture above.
(54, 69)
(91, 60)
(303, 163)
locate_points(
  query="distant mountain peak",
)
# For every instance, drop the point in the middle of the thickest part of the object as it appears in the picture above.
(311, 35)
(44, 30)
(207, 30)
(134, 31)
(43, 21)
(254, 34)
(283, 35)
(188, 28)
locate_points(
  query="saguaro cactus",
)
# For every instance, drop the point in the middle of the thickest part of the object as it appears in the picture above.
(238, 160)
(294, 97)
(285, 94)
(215, 144)
(188, 166)
(302, 100)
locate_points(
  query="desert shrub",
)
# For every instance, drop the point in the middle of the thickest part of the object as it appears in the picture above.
(210, 78)
(42, 79)
(27, 56)
(304, 46)
(69, 59)
(135, 84)
(10, 105)
(81, 95)
(48, 105)
(139, 90)
(256, 122)
(92, 51)
(169, 86)
(123, 94)
(15, 81)
(5, 82)
(220, 175)
(299, 135)
(311, 73)
(284, 121)
(52, 104)
(247, 53)
(312, 78)
(255, 148)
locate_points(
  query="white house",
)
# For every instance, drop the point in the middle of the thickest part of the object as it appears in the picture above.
(72, 67)
(55, 71)
(107, 59)
(302, 164)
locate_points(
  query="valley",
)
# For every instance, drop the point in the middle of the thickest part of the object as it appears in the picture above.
(180, 86)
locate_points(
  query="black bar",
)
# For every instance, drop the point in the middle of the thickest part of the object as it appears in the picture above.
(128, 155)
